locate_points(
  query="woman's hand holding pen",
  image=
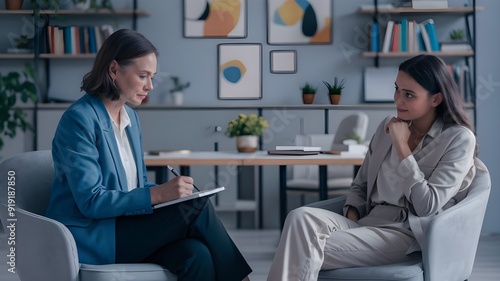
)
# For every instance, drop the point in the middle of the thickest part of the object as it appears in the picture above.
(178, 187)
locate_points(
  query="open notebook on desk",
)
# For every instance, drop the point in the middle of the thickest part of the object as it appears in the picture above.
(197, 194)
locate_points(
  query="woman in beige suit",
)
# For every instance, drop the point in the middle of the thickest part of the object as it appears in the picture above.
(418, 163)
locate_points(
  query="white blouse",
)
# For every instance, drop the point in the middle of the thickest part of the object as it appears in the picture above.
(126, 156)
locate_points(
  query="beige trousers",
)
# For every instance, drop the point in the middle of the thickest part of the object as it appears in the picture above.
(315, 239)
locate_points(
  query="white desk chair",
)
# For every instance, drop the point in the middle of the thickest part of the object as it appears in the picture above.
(304, 179)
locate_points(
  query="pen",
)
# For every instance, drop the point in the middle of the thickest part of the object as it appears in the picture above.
(177, 174)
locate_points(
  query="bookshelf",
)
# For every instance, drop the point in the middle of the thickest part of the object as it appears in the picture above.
(397, 13)
(39, 56)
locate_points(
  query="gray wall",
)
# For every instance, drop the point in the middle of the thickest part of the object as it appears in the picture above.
(196, 60)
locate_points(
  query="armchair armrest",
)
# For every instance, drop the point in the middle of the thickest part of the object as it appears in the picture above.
(452, 237)
(49, 253)
(335, 204)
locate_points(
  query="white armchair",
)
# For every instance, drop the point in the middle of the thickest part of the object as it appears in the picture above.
(45, 248)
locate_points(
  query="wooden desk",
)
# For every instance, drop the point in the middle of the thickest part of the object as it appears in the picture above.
(260, 158)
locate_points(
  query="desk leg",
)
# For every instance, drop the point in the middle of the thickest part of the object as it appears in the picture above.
(185, 170)
(283, 202)
(161, 173)
(323, 185)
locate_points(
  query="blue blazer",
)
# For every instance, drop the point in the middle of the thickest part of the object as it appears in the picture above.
(90, 188)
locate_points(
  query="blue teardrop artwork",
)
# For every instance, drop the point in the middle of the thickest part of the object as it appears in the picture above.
(233, 71)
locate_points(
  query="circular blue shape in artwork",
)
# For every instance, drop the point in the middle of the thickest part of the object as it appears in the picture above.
(232, 74)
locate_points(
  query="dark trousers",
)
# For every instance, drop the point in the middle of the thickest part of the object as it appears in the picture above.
(186, 238)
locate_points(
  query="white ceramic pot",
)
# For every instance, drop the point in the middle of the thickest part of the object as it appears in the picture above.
(247, 143)
(177, 98)
(83, 6)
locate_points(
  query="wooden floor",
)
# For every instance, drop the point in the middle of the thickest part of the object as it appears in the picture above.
(258, 248)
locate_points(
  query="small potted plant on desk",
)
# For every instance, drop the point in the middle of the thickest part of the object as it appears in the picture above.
(12, 89)
(177, 90)
(246, 129)
(335, 90)
(308, 93)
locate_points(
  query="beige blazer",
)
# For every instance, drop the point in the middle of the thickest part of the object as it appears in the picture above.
(433, 177)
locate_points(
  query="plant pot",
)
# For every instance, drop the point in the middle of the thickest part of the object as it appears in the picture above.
(13, 4)
(308, 98)
(83, 6)
(247, 143)
(334, 99)
(177, 98)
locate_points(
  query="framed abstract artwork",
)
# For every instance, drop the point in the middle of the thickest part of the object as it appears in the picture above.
(299, 22)
(215, 18)
(284, 61)
(239, 71)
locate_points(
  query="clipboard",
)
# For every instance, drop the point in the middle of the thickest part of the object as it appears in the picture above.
(198, 194)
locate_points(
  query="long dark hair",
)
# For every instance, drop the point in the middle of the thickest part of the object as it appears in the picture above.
(124, 45)
(433, 74)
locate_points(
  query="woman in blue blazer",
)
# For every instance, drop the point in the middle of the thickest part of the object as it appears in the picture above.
(100, 190)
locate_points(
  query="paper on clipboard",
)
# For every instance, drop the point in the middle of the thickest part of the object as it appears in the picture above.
(379, 83)
(198, 194)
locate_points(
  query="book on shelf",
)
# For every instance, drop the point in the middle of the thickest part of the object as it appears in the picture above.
(425, 38)
(374, 38)
(387, 37)
(429, 4)
(395, 38)
(75, 40)
(455, 46)
(343, 149)
(404, 35)
(431, 31)
(298, 148)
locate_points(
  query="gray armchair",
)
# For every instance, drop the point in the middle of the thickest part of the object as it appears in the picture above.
(304, 179)
(45, 249)
(450, 242)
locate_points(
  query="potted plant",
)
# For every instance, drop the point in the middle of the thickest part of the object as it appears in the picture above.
(177, 90)
(246, 129)
(457, 34)
(23, 45)
(308, 93)
(15, 86)
(335, 89)
(14, 4)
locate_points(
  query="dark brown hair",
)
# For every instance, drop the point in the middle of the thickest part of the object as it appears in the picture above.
(123, 46)
(433, 74)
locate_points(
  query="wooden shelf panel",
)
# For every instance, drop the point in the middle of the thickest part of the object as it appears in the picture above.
(77, 12)
(407, 54)
(17, 56)
(455, 10)
(67, 56)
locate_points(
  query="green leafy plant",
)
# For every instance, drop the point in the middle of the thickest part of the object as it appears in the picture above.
(23, 42)
(178, 86)
(457, 34)
(335, 88)
(15, 86)
(308, 89)
(244, 125)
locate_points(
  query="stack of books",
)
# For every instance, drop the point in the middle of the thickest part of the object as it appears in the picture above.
(295, 150)
(75, 40)
(409, 36)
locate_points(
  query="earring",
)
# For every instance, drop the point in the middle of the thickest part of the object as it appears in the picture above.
(114, 83)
